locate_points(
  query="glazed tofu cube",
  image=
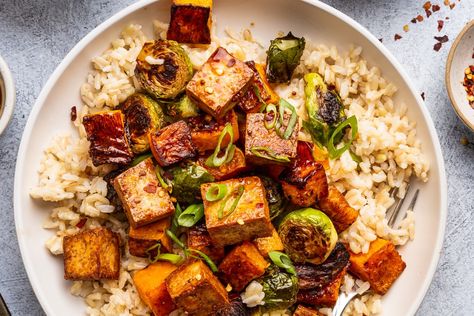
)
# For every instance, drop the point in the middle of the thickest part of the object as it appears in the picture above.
(205, 131)
(141, 239)
(306, 311)
(199, 239)
(242, 265)
(260, 93)
(249, 219)
(106, 133)
(304, 182)
(92, 255)
(143, 199)
(227, 170)
(339, 211)
(325, 296)
(380, 266)
(258, 137)
(172, 144)
(217, 86)
(191, 21)
(151, 287)
(267, 244)
(194, 288)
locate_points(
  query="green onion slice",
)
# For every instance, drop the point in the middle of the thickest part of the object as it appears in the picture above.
(206, 258)
(283, 105)
(191, 215)
(175, 239)
(337, 152)
(220, 213)
(156, 246)
(170, 257)
(139, 159)
(269, 154)
(216, 192)
(270, 110)
(214, 160)
(283, 261)
(163, 183)
(174, 223)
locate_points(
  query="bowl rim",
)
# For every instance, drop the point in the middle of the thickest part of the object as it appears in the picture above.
(447, 79)
(9, 97)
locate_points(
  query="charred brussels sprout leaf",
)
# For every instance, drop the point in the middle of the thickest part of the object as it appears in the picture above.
(236, 308)
(283, 56)
(163, 69)
(187, 182)
(308, 236)
(274, 193)
(182, 108)
(280, 289)
(142, 115)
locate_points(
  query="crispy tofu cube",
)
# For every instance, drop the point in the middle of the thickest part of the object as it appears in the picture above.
(260, 93)
(306, 311)
(242, 265)
(380, 266)
(205, 131)
(172, 144)
(323, 297)
(257, 136)
(227, 170)
(249, 220)
(151, 287)
(143, 199)
(106, 133)
(267, 244)
(92, 255)
(194, 288)
(142, 238)
(199, 239)
(191, 21)
(339, 211)
(304, 182)
(217, 86)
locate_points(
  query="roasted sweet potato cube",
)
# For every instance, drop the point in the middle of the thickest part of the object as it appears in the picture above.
(141, 239)
(172, 144)
(195, 289)
(92, 255)
(306, 311)
(199, 239)
(242, 265)
(205, 131)
(339, 211)
(106, 133)
(143, 199)
(264, 146)
(325, 296)
(380, 266)
(151, 287)
(227, 170)
(267, 244)
(304, 182)
(260, 93)
(191, 21)
(249, 219)
(217, 86)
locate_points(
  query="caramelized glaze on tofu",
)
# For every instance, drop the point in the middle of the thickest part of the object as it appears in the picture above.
(151, 287)
(205, 131)
(217, 86)
(143, 199)
(142, 238)
(306, 311)
(227, 170)
(199, 239)
(249, 220)
(172, 144)
(304, 182)
(190, 22)
(92, 255)
(380, 266)
(267, 244)
(242, 265)
(194, 288)
(325, 296)
(106, 133)
(339, 211)
(258, 136)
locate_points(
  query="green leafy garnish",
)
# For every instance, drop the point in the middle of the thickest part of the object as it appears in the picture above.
(282, 261)
(191, 215)
(214, 160)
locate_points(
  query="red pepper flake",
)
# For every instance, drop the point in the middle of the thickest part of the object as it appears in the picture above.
(81, 222)
(381, 41)
(423, 96)
(428, 13)
(435, 8)
(452, 5)
(427, 5)
(437, 46)
(442, 39)
(397, 37)
(468, 84)
(440, 25)
(150, 188)
(446, 18)
(73, 113)
(419, 18)
(413, 21)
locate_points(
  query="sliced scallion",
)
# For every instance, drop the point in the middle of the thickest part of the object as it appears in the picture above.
(170, 257)
(282, 261)
(139, 159)
(214, 160)
(270, 111)
(216, 192)
(269, 154)
(163, 183)
(283, 105)
(175, 239)
(206, 258)
(239, 191)
(191, 215)
(337, 152)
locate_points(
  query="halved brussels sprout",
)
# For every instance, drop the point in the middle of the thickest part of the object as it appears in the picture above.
(182, 108)
(187, 180)
(283, 56)
(142, 116)
(308, 235)
(163, 69)
(274, 193)
(280, 289)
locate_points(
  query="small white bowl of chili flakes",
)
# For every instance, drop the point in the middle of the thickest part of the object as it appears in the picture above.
(460, 75)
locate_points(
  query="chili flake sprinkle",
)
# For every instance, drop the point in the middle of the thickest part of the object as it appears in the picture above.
(397, 37)
(469, 84)
(440, 25)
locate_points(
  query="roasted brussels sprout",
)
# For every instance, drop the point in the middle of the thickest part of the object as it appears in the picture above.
(182, 108)
(280, 289)
(308, 235)
(142, 116)
(163, 69)
(283, 56)
(274, 193)
(187, 180)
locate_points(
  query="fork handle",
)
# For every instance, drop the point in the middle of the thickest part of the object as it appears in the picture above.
(342, 302)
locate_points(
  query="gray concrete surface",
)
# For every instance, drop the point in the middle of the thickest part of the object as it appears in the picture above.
(36, 35)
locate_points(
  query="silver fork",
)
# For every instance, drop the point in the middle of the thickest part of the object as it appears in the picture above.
(392, 215)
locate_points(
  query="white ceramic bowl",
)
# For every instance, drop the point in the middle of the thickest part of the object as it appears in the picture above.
(7, 95)
(459, 58)
(310, 18)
